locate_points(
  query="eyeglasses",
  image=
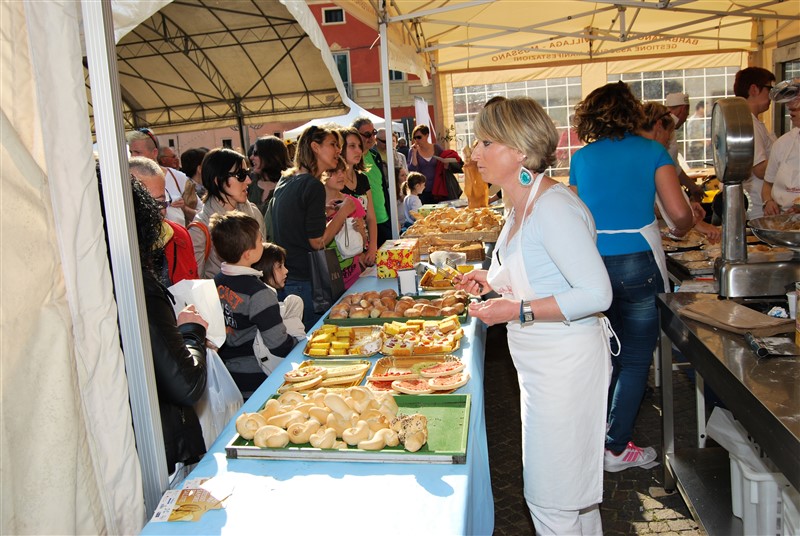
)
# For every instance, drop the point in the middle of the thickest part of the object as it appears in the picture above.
(419, 137)
(149, 133)
(368, 134)
(767, 87)
(241, 175)
(166, 202)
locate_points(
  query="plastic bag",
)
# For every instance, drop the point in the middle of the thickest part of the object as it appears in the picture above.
(202, 293)
(221, 401)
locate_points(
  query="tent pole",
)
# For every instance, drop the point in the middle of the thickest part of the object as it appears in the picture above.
(243, 136)
(387, 115)
(124, 249)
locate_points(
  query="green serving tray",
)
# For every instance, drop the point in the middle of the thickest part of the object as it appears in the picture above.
(448, 427)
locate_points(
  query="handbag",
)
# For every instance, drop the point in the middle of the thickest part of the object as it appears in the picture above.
(221, 400)
(349, 242)
(327, 284)
(190, 194)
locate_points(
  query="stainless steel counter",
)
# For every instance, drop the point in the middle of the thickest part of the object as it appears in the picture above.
(764, 395)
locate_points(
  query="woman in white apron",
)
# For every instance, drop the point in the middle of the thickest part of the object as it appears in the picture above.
(618, 174)
(553, 285)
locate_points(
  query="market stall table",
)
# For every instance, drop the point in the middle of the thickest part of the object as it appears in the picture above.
(761, 394)
(352, 497)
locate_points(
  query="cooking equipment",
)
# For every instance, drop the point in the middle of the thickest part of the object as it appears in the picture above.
(732, 138)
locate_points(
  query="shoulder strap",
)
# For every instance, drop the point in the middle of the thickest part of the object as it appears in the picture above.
(171, 174)
(203, 227)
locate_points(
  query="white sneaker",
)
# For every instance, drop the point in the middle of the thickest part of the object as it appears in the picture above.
(632, 456)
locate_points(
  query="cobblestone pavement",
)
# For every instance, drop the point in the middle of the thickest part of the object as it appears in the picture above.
(634, 499)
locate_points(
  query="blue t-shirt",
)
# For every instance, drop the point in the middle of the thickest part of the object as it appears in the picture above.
(616, 180)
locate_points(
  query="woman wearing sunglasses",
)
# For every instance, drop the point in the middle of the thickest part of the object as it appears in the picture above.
(226, 178)
(426, 158)
(297, 213)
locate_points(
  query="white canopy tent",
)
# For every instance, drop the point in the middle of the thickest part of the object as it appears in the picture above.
(345, 120)
(71, 399)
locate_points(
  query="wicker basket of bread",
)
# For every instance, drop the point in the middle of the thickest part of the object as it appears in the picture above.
(457, 224)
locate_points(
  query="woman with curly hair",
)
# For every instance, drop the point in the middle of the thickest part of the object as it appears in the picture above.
(618, 174)
(179, 357)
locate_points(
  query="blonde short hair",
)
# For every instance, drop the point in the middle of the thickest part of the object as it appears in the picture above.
(522, 124)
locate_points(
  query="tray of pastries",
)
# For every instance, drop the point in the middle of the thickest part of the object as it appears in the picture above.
(369, 308)
(343, 341)
(422, 337)
(417, 375)
(329, 373)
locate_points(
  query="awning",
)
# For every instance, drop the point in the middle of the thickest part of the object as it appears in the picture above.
(471, 35)
(201, 64)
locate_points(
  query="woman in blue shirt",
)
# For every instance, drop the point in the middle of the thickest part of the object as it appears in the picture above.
(618, 175)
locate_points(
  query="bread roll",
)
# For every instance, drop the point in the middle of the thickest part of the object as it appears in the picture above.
(358, 312)
(402, 306)
(430, 310)
(412, 312)
(449, 311)
(459, 308)
(389, 314)
(437, 302)
(338, 313)
(423, 301)
(389, 302)
(449, 301)
(371, 295)
(388, 293)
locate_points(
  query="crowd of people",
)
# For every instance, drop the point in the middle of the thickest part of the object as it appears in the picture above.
(581, 262)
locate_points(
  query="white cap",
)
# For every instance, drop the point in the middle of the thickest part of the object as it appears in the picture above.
(676, 99)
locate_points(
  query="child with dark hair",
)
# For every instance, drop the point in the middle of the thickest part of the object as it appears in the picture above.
(411, 189)
(250, 307)
(272, 266)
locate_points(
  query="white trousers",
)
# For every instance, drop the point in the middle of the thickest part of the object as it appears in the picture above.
(549, 521)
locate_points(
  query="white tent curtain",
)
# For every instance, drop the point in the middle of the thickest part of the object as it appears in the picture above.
(69, 461)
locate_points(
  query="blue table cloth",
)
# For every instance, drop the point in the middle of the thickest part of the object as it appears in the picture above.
(301, 497)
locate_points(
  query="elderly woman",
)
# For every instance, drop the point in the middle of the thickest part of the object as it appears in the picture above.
(618, 175)
(179, 357)
(553, 286)
(297, 213)
(226, 178)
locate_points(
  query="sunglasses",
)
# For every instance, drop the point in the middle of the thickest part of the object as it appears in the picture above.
(241, 175)
(419, 137)
(380, 140)
(768, 87)
(149, 133)
(368, 135)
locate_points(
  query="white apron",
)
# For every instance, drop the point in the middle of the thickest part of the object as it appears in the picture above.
(564, 373)
(652, 234)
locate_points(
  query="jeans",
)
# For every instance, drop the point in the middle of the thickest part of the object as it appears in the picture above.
(303, 290)
(635, 281)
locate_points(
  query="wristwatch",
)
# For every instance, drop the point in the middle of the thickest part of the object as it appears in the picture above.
(525, 313)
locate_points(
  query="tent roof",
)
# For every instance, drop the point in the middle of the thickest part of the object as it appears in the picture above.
(461, 35)
(199, 64)
(345, 120)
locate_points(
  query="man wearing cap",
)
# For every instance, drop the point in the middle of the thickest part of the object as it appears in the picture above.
(678, 104)
(754, 84)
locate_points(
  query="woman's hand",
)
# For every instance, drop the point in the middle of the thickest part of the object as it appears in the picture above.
(368, 258)
(473, 282)
(495, 311)
(712, 233)
(189, 315)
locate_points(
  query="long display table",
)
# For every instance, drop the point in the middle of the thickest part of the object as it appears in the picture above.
(302, 497)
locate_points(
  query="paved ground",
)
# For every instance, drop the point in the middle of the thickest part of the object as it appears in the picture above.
(634, 499)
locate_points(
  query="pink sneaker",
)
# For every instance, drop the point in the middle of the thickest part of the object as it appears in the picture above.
(632, 456)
